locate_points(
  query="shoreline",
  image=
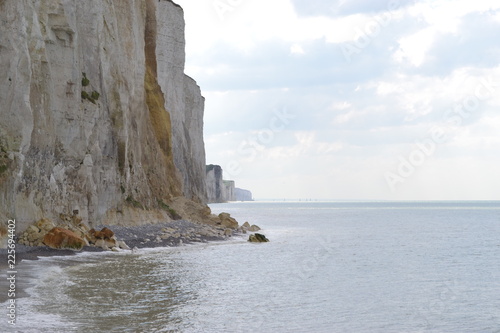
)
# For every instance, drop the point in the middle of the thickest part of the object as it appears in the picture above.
(168, 234)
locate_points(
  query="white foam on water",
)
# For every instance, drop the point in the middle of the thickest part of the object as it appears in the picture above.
(41, 279)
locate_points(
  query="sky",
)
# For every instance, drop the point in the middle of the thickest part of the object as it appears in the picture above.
(350, 99)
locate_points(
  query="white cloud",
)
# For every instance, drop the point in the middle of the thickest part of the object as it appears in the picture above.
(341, 105)
(440, 18)
(296, 49)
(345, 117)
(249, 23)
(352, 121)
(415, 47)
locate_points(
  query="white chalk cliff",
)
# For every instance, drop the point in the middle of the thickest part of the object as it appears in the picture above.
(96, 113)
(242, 194)
(220, 190)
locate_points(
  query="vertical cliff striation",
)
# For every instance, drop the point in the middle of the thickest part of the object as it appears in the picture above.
(96, 112)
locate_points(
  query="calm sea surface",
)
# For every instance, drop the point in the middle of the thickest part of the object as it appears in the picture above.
(330, 267)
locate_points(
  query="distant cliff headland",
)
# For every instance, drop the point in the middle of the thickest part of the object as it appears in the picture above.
(220, 190)
(98, 119)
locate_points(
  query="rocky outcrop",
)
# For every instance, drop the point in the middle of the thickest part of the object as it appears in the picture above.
(242, 195)
(97, 114)
(257, 238)
(227, 221)
(69, 233)
(59, 238)
(247, 227)
(105, 238)
(35, 233)
(105, 233)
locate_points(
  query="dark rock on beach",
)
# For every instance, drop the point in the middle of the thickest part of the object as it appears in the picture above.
(257, 238)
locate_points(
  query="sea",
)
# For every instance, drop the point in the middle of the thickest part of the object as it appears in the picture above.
(420, 266)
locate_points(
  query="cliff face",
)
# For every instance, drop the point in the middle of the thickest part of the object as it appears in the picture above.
(229, 190)
(218, 190)
(242, 195)
(96, 113)
(214, 184)
(183, 98)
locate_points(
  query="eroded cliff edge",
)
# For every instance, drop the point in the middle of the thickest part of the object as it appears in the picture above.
(97, 115)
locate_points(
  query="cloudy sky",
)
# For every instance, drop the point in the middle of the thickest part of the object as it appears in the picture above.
(350, 99)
